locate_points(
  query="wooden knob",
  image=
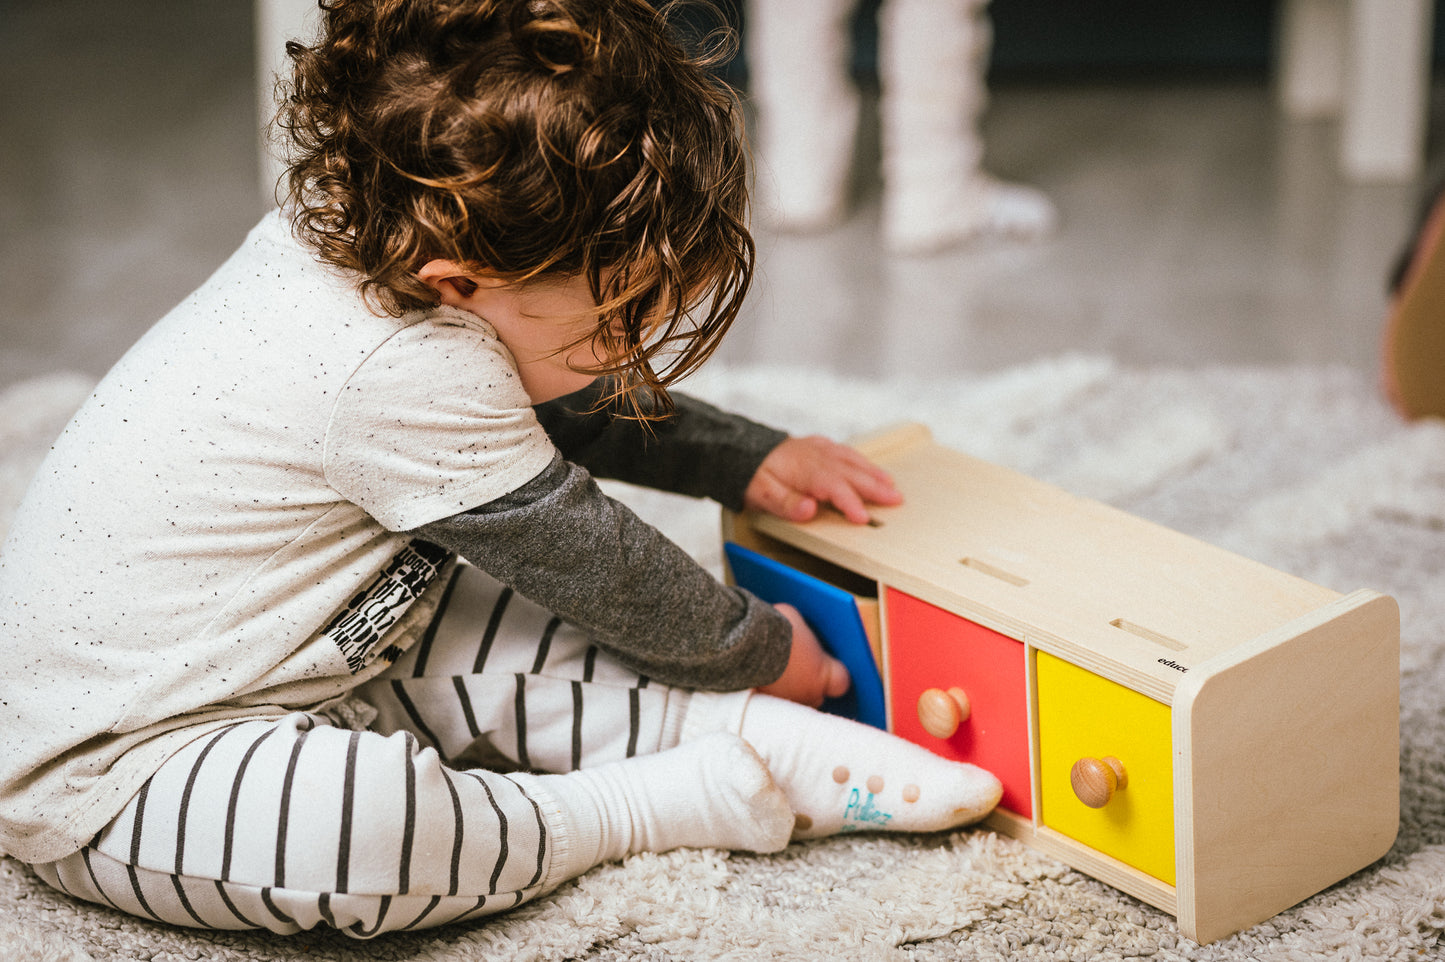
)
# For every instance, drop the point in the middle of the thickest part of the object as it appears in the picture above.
(1095, 780)
(941, 712)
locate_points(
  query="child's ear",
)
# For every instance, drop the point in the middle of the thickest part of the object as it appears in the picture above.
(453, 282)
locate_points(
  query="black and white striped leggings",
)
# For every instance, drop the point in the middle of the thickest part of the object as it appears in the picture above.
(292, 823)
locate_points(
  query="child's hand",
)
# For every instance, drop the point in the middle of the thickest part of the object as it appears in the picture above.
(802, 473)
(812, 674)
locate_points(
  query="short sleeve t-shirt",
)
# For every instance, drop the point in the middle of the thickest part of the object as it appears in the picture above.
(219, 531)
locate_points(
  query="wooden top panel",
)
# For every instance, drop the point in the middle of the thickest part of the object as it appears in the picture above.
(1110, 590)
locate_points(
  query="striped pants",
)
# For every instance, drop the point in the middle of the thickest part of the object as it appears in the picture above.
(292, 823)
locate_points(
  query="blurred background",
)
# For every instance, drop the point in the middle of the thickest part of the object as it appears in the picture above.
(1199, 222)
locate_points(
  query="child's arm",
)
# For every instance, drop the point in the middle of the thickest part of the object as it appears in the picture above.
(699, 450)
(565, 545)
(704, 451)
(707, 452)
(562, 543)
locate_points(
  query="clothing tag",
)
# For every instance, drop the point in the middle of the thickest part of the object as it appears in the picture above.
(365, 619)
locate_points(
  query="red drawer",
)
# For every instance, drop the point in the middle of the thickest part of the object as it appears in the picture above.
(931, 648)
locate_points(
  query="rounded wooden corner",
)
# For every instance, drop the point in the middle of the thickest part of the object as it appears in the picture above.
(1300, 732)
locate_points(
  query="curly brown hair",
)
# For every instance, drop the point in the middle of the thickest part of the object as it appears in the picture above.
(529, 139)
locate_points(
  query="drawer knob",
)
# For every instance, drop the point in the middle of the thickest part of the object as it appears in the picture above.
(941, 712)
(1095, 780)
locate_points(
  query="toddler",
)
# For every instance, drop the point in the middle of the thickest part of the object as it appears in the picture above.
(250, 680)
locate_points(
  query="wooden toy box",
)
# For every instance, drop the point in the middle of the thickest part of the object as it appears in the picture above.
(1233, 730)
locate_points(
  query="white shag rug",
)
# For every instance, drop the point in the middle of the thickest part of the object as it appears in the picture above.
(1302, 468)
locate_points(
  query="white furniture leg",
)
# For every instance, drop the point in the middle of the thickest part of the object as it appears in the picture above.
(1382, 128)
(1367, 62)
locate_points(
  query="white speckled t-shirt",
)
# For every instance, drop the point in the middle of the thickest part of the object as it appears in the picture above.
(215, 534)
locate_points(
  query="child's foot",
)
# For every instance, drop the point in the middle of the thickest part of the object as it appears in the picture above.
(922, 222)
(843, 776)
(713, 792)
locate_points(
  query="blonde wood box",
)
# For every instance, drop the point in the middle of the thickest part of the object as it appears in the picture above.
(1212, 736)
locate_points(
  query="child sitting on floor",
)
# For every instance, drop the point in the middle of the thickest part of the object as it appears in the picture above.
(249, 684)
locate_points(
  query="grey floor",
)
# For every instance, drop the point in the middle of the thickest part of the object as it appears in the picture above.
(1198, 226)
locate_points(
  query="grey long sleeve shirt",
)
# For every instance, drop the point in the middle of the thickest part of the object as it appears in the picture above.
(561, 542)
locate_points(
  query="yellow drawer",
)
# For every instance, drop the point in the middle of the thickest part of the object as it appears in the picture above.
(1085, 717)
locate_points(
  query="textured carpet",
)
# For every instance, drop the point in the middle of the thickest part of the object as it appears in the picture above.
(1303, 469)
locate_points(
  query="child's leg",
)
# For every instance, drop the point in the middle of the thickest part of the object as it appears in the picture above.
(799, 77)
(532, 690)
(291, 824)
(503, 683)
(932, 62)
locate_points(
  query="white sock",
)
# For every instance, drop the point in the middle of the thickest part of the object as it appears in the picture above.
(713, 792)
(933, 63)
(843, 776)
(944, 214)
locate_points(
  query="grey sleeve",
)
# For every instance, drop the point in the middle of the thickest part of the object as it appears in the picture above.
(700, 450)
(561, 542)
